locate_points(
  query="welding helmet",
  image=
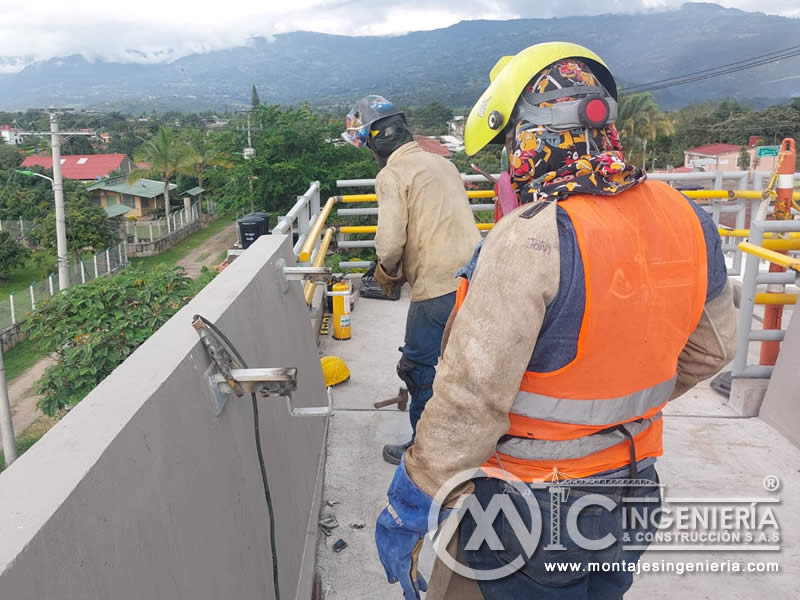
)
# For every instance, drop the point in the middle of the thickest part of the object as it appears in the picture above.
(508, 99)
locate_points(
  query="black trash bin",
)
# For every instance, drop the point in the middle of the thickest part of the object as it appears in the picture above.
(252, 227)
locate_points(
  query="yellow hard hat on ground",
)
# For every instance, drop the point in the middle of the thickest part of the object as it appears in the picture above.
(492, 113)
(334, 369)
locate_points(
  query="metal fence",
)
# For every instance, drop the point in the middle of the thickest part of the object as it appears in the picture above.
(150, 231)
(24, 301)
(18, 228)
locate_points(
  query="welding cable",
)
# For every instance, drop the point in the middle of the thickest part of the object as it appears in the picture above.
(267, 495)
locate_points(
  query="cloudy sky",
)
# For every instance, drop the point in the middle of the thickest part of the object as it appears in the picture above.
(157, 30)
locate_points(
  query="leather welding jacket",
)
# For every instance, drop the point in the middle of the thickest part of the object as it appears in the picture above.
(426, 229)
(580, 316)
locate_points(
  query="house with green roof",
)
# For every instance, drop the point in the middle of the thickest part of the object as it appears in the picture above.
(141, 197)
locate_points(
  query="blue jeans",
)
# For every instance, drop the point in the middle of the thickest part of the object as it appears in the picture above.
(424, 329)
(534, 579)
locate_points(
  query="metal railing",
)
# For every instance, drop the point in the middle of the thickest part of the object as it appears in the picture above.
(152, 231)
(718, 203)
(22, 302)
(301, 218)
(760, 247)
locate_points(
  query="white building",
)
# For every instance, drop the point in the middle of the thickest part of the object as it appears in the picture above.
(10, 135)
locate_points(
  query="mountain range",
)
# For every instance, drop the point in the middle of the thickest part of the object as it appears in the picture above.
(448, 65)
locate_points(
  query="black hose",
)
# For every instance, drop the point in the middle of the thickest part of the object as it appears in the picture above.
(257, 432)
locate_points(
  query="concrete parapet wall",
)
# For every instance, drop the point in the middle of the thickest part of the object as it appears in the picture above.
(780, 406)
(11, 336)
(141, 492)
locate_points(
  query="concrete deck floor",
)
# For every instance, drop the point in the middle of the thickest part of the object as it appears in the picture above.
(708, 452)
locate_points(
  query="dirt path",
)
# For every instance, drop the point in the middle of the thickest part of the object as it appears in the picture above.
(207, 254)
(21, 391)
(23, 398)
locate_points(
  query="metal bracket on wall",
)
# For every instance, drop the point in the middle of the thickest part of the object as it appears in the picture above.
(268, 383)
(227, 377)
(287, 274)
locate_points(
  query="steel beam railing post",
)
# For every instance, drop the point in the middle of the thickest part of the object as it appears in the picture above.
(747, 303)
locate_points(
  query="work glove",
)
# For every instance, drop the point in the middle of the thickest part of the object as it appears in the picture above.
(386, 281)
(400, 530)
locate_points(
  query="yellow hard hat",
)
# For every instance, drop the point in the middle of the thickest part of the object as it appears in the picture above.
(334, 369)
(490, 116)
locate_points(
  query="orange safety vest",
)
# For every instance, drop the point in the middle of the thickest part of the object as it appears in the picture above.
(644, 261)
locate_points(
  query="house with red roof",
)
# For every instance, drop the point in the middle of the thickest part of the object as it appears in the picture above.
(84, 167)
(713, 157)
(726, 157)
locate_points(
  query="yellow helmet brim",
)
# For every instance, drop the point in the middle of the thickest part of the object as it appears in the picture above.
(490, 116)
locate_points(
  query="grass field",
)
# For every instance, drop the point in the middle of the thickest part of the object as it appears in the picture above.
(21, 278)
(181, 249)
(19, 358)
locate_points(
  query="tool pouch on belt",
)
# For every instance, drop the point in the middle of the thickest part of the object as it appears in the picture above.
(388, 282)
(406, 367)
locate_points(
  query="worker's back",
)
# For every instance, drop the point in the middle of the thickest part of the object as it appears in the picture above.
(441, 233)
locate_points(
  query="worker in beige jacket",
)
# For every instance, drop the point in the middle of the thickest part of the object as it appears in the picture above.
(593, 303)
(426, 232)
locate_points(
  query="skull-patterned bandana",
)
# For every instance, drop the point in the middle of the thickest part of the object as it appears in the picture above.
(546, 163)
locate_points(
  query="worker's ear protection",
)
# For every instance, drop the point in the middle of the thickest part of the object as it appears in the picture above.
(594, 109)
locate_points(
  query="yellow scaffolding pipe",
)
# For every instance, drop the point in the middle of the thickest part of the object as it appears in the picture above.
(694, 194)
(773, 244)
(743, 233)
(776, 257)
(374, 228)
(728, 194)
(358, 229)
(373, 197)
(773, 298)
(316, 229)
(319, 261)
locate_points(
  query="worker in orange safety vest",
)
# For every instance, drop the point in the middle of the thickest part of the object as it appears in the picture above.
(598, 297)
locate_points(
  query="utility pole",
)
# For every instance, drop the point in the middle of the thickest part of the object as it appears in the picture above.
(250, 147)
(6, 424)
(58, 191)
(249, 153)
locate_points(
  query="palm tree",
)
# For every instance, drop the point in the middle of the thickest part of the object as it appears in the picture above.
(167, 156)
(639, 120)
(204, 155)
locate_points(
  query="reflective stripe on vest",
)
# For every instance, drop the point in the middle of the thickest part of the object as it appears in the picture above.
(648, 444)
(545, 417)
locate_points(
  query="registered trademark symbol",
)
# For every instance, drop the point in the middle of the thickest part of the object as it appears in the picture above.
(772, 483)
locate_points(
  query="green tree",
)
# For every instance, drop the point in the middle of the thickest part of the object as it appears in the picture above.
(12, 254)
(254, 99)
(167, 156)
(10, 157)
(78, 144)
(293, 146)
(87, 225)
(430, 119)
(744, 158)
(205, 154)
(94, 327)
(639, 121)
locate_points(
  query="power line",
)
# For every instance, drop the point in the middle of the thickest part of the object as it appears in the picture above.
(716, 71)
(738, 62)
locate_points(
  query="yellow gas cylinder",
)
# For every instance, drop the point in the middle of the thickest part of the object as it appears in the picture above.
(341, 311)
